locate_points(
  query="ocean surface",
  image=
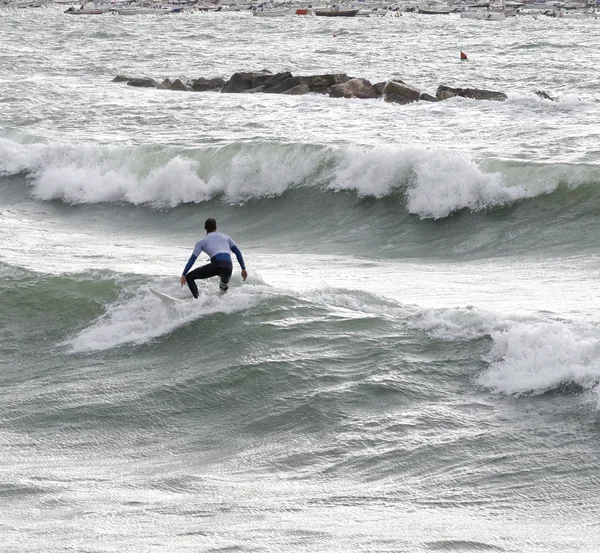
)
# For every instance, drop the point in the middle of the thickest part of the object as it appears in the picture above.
(414, 362)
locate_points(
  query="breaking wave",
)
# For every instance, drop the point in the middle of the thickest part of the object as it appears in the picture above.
(432, 183)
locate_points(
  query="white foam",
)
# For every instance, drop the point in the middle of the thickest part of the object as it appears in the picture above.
(565, 103)
(444, 184)
(463, 323)
(91, 173)
(74, 184)
(528, 355)
(359, 302)
(434, 182)
(536, 357)
(16, 158)
(266, 173)
(377, 172)
(141, 318)
(118, 180)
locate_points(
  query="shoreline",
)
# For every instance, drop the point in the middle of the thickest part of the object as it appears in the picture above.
(477, 9)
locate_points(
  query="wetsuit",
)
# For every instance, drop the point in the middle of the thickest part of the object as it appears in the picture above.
(219, 247)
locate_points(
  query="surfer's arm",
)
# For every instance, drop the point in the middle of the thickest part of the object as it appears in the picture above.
(238, 254)
(190, 262)
(187, 268)
(197, 251)
(240, 259)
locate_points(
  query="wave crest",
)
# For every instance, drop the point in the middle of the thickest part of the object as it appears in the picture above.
(433, 183)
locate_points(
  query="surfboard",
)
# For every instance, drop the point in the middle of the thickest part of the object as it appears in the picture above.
(166, 297)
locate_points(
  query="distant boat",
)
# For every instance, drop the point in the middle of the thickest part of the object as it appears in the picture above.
(336, 13)
(141, 10)
(26, 4)
(434, 7)
(138, 11)
(133, 11)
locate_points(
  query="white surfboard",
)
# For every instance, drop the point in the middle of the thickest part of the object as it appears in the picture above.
(166, 297)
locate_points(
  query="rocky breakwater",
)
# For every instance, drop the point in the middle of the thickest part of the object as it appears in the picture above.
(335, 85)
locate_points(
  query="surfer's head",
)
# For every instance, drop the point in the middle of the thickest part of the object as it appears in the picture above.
(210, 225)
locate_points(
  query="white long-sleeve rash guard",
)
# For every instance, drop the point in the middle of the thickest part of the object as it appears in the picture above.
(218, 247)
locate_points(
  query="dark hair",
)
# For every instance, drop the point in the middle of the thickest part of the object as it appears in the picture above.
(210, 225)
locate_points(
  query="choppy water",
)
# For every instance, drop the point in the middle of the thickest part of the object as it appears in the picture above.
(413, 364)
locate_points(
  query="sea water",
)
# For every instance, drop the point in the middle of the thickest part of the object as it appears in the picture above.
(413, 363)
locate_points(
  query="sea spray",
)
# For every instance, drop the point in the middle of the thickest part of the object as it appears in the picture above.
(537, 357)
(140, 317)
(435, 183)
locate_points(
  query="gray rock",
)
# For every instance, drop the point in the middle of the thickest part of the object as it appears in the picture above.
(241, 82)
(427, 98)
(336, 85)
(291, 82)
(397, 99)
(298, 90)
(401, 89)
(202, 84)
(445, 92)
(379, 87)
(142, 82)
(255, 90)
(354, 88)
(178, 85)
(322, 83)
(278, 78)
(477, 94)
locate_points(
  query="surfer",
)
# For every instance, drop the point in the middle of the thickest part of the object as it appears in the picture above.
(219, 247)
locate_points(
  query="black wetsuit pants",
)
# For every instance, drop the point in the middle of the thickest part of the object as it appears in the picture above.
(222, 269)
